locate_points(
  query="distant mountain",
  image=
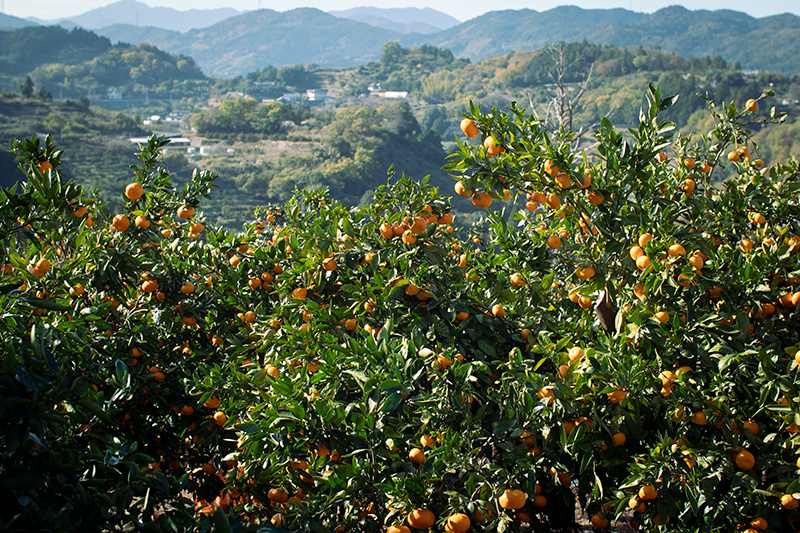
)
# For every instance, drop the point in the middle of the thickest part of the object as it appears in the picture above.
(770, 43)
(500, 32)
(11, 23)
(140, 14)
(401, 20)
(250, 41)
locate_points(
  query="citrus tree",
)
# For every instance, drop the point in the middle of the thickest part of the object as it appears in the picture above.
(620, 349)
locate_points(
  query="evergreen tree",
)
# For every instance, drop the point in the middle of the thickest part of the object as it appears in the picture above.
(26, 87)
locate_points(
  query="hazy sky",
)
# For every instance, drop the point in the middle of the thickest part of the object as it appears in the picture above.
(460, 9)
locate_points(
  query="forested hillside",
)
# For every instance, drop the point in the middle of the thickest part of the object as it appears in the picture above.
(24, 49)
(131, 69)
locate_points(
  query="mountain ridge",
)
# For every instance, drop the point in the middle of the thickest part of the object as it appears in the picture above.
(141, 14)
(256, 39)
(402, 20)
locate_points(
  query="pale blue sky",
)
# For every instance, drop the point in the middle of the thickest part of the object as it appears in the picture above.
(460, 9)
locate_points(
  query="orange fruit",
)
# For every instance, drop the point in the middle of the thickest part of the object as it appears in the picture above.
(688, 186)
(187, 410)
(398, 529)
(299, 293)
(599, 522)
(386, 231)
(187, 288)
(643, 262)
(539, 501)
(745, 460)
(752, 426)
(550, 168)
(185, 211)
(661, 316)
(619, 438)
(408, 237)
(220, 418)
(675, 250)
(329, 264)
(746, 245)
(586, 273)
(461, 190)
(789, 502)
(575, 353)
(44, 166)
(481, 199)
(43, 265)
(121, 222)
(492, 148)
(657, 520)
(563, 180)
(142, 222)
(134, 191)
(457, 523)
(638, 290)
(553, 201)
(421, 519)
(554, 242)
(277, 495)
(211, 403)
(617, 396)
(648, 493)
(469, 128)
(636, 252)
(416, 456)
(751, 105)
(498, 311)
(149, 285)
(759, 523)
(699, 418)
(512, 499)
(419, 225)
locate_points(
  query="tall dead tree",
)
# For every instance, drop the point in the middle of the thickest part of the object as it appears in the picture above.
(559, 113)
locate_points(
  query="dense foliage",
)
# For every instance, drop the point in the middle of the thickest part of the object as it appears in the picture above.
(631, 339)
(244, 118)
(133, 70)
(27, 48)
